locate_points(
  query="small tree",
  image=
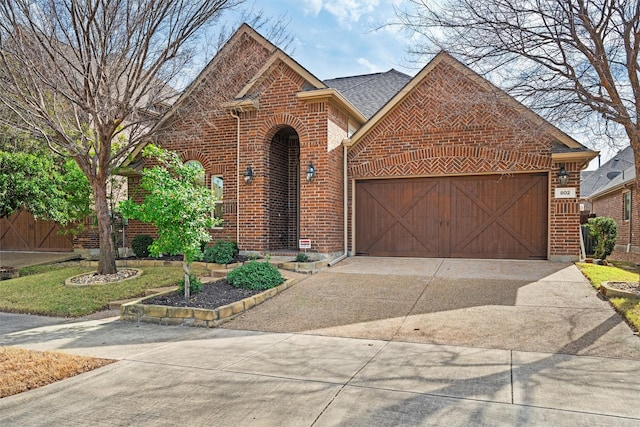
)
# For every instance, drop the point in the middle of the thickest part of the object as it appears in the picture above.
(604, 231)
(177, 204)
(52, 192)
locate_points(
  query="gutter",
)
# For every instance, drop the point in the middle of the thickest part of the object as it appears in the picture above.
(345, 206)
(234, 115)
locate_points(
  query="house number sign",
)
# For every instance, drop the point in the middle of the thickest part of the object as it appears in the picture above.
(565, 193)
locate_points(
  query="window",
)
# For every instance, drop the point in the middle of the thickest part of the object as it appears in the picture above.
(198, 165)
(626, 206)
(217, 185)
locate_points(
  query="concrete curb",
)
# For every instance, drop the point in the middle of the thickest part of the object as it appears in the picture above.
(137, 311)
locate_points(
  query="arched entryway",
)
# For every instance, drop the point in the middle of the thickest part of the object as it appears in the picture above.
(283, 203)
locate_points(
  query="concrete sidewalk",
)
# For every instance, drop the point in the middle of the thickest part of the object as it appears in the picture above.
(196, 377)
(370, 342)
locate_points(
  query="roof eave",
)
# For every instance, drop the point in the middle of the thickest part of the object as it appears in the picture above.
(613, 189)
(240, 105)
(335, 96)
(580, 156)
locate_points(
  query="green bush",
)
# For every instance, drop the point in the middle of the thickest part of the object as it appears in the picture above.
(140, 245)
(255, 275)
(195, 285)
(604, 231)
(222, 252)
(302, 257)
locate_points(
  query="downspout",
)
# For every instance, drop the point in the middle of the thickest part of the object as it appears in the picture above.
(345, 206)
(233, 114)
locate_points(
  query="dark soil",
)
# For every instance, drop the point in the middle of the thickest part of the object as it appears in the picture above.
(212, 295)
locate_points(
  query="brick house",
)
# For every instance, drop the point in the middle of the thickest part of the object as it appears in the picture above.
(443, 164)
(610, 191)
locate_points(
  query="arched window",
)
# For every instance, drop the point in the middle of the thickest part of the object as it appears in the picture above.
(196, 164)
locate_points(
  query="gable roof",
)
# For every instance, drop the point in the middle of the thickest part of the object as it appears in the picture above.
(369, 92)
(566, 148)
(618, 170)
(237, 36)
(244, 29)
(280, 56)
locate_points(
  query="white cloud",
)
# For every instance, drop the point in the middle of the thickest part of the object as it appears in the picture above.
(371, 68)
(312, 7)
(346, 11)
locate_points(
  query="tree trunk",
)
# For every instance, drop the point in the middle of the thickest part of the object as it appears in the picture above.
(107, 261)
(187, 284)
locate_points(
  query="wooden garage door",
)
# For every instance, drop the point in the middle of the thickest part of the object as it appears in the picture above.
(22, 232)
(491, 216)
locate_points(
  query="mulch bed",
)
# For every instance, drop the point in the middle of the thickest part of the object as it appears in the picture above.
(212, 295)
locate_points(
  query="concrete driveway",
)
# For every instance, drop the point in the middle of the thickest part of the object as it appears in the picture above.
(369, 342)
(534, 306)
(19, 259)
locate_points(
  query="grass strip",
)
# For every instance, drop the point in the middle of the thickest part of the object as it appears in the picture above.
(628, 307)
(22, 370)
(45, 293)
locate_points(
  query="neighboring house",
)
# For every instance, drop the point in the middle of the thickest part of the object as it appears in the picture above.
(443, 164)
(594, 180)
(614, 197)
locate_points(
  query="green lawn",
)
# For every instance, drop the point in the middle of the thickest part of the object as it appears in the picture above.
(602, 273)
(629, 307)
(44, 293)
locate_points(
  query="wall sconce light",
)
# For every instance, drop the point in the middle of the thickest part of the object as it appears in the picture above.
(563, 176)
(311, 172)
(248, 175)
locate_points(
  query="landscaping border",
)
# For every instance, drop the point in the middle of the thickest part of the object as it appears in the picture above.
(137, 311)
(160, 263)
(298, 267)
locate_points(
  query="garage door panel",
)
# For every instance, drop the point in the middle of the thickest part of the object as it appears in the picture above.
(400, 217)
(475, 216)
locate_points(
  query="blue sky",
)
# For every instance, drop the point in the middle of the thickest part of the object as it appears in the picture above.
(337, 38)
(334, 38)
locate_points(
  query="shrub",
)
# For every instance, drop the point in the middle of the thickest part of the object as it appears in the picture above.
(302, 257)
(140, 245)
(222, 252)
(195, 285)
(255, 275)
(604, 231)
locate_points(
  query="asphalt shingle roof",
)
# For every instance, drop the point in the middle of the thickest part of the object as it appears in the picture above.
(370, 92)
(625, 176)
(592, 182)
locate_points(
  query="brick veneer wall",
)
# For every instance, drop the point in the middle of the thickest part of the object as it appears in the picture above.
(611, 205)
(279, 166)
(448, 125)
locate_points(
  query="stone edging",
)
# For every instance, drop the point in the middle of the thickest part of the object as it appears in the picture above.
(137, 311)
(299, 267)
(303, 267)
(70, 284)
(160, 263)
(611, 292)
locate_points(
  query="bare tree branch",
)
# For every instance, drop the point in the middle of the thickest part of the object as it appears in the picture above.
(90, 77)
